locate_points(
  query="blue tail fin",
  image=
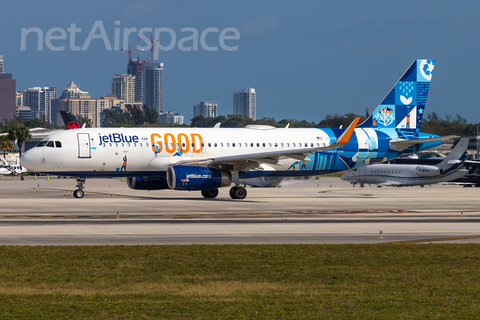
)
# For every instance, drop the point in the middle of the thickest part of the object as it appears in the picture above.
(403, 106)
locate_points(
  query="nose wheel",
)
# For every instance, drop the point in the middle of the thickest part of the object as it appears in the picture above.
(238, 192)
(79, 192)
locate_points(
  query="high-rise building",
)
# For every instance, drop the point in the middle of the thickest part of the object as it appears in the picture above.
(135, 67)
(7, 97)
(1, 64)
(123, 87)
(19, 98)
(153, 86)
(25, 112)
(40, 101)
(86, 107)
(245, 103)
(72, 91)
(206, 109)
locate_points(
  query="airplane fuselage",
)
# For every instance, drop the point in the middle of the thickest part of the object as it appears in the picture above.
(150, 151)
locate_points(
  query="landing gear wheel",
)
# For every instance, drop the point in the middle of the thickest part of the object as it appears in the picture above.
(78, 193)
(238, 192)
(210, 193)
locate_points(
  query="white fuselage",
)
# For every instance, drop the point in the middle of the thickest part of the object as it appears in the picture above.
(155, 149)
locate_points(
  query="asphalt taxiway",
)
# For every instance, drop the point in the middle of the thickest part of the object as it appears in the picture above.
(327, 210)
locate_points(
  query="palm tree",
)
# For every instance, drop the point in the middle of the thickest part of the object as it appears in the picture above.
(5, 144)
(20, 133)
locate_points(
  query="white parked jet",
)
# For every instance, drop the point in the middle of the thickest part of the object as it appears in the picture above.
(14, 169)
(3, 169)
(399, 175)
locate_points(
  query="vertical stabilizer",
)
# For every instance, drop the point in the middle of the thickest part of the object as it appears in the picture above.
(456, 156)
(404, 105)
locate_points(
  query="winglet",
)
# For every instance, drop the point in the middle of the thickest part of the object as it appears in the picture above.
(348, 132)
(344, 138)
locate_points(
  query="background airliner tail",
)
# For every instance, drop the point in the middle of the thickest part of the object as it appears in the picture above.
(456, 156)
(404, 105)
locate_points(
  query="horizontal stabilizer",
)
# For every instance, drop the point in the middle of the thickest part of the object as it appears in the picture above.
(402, 144)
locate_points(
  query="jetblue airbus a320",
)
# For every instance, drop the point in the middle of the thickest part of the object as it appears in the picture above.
(206, 159)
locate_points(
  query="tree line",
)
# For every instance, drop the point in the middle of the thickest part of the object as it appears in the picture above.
(135, 116)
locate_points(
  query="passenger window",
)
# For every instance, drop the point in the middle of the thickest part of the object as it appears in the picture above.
(294, 144)
(110, 144)
(306, 144)
(258, 144)
(251, 144)
(221, 145)
(116, 145)
(288, 145)
(228, 145)
(58, 144)
(263, 145)
(49, 144)
(281, 144)
(311, 145)
(233, 144)
(209, 144)
(215, 145)
(42, 143)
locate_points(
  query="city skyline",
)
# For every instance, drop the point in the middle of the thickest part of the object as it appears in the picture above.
(308, 60)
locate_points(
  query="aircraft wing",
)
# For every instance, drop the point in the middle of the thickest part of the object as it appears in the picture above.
(391, 183)
(254, 160)
(402, 144)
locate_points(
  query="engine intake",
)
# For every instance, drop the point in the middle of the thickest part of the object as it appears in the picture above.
(144, 183)
(428, 171)
(197, 178)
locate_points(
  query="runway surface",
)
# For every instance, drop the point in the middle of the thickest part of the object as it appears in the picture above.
(328, 210)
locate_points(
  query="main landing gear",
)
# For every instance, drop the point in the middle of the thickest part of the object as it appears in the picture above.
(79, 192)
(210, 193)
(236, 192)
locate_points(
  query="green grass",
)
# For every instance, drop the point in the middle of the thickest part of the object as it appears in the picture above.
(432, 281)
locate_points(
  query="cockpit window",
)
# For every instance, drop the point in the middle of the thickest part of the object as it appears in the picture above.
(58, 144)
(42, 143)
(49, 144)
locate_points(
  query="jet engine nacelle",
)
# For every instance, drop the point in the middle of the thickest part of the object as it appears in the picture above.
(428, 171)
(146, 183)
(197, 178)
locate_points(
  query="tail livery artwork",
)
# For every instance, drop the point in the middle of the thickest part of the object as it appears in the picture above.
(400, 175)
(206, 159)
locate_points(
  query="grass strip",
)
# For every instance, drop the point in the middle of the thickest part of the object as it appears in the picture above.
(384, 281)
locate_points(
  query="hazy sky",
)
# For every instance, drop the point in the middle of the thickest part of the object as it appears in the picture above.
(306, 59)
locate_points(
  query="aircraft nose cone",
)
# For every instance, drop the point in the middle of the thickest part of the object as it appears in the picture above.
(27, 159)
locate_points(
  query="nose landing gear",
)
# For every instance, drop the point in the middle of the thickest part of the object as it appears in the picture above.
(79, 192)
